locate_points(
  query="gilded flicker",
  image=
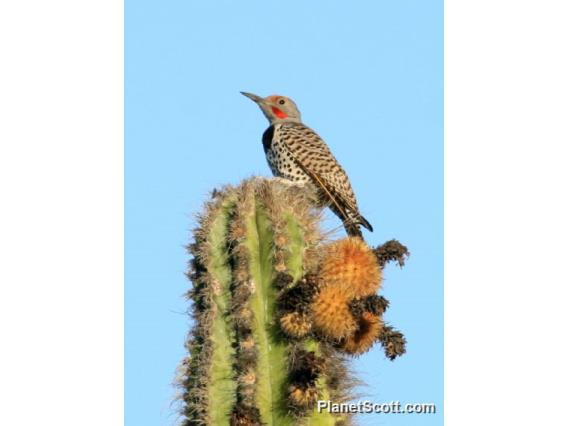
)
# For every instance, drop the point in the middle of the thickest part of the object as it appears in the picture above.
(296, 152)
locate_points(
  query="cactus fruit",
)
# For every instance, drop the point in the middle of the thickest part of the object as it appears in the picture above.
(276, 310)
(295, 324)
(350, 264)
(368, 330)
(331, 314)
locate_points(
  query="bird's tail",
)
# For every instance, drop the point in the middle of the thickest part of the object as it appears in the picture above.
(365, 223)
(352, 226)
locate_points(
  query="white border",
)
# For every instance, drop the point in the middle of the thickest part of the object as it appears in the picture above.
(506, 99)
(61, 226)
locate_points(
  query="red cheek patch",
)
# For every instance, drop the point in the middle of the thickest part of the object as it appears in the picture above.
(278, 113)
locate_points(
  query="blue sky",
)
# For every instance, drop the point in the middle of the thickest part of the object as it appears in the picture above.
(367, 76)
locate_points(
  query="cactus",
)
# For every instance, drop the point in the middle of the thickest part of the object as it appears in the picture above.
(277, 310)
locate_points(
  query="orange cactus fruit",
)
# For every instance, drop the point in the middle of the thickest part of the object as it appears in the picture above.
(367, 333)
(351, 264)
(331, 315)
(295, 324)
(302, 397)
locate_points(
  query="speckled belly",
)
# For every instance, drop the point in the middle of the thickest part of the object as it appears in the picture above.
(283, 165)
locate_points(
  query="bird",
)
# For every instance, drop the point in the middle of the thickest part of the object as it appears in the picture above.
(297, 153)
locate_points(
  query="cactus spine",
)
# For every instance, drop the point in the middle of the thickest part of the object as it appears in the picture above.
(260, 351)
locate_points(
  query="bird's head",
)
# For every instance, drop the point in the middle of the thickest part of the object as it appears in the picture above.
(276, 108)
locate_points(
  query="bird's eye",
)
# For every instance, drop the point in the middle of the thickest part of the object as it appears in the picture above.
(281, 101)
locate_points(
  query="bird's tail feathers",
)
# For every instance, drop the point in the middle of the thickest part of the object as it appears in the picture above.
(364, 222)
(352, 225)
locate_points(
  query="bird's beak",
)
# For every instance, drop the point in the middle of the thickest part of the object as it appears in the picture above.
(255, 98)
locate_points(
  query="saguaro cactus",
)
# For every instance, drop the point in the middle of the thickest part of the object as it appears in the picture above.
(277, 309)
